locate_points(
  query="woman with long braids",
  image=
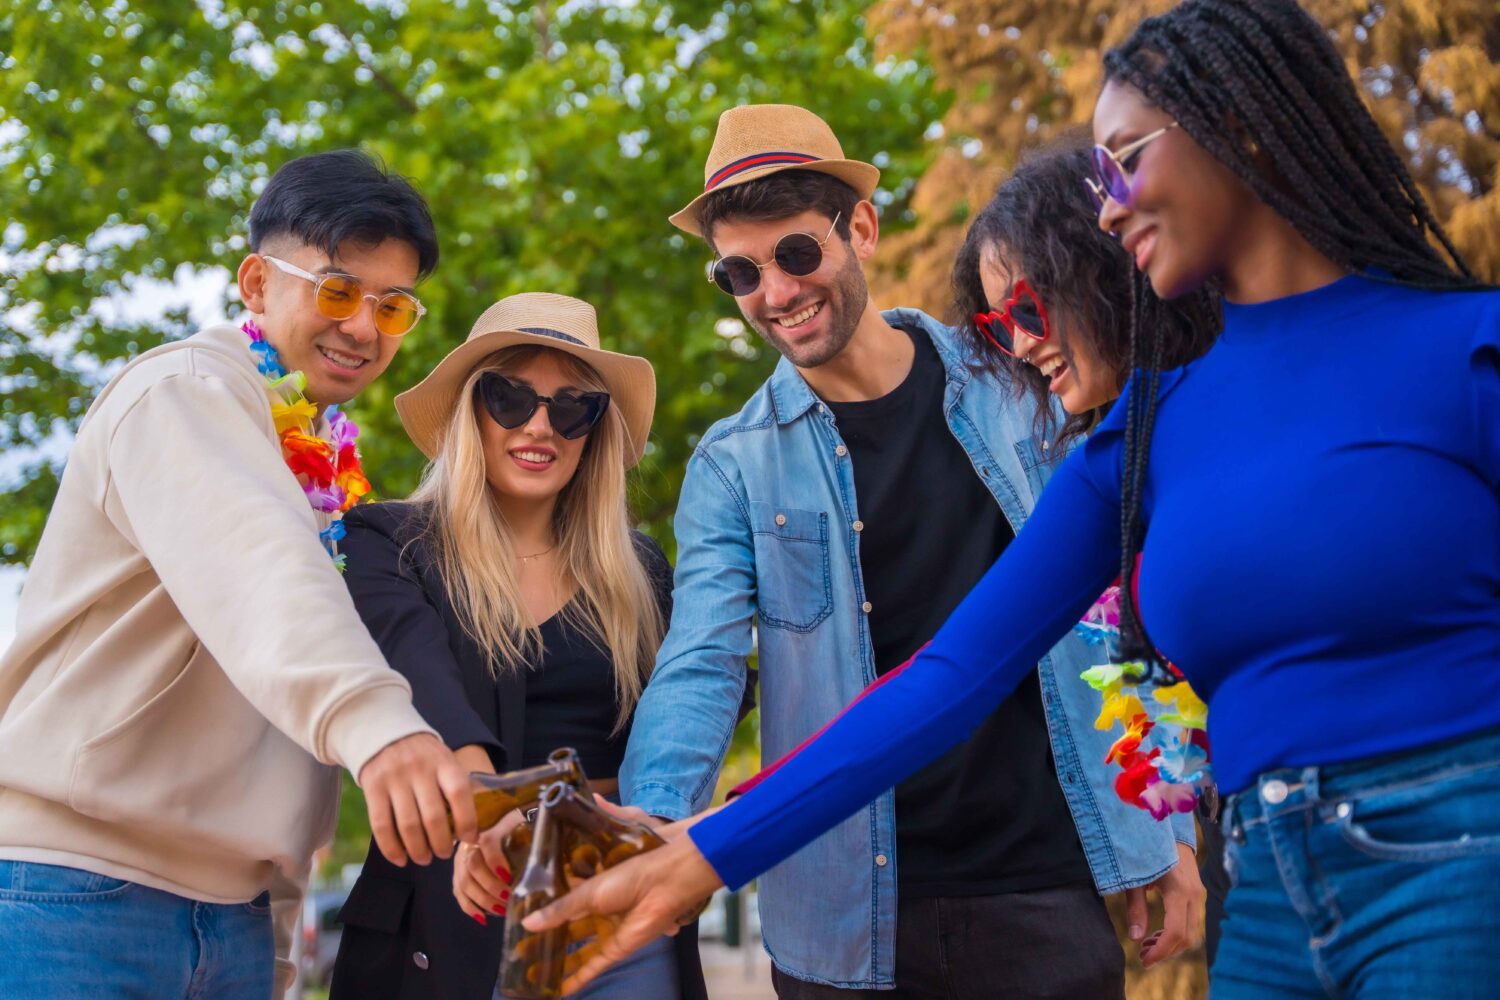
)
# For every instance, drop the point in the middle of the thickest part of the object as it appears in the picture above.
(1316, 505)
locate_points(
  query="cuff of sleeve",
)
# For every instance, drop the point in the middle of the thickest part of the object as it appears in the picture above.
(368, 722)
(1184, 830)
(659, 800)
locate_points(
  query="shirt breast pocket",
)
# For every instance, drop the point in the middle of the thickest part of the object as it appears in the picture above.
(1038, 462)
(793, 587)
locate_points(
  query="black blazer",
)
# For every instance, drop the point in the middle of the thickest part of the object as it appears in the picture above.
(404, 936)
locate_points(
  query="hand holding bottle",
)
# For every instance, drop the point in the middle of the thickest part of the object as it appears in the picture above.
(483, 874)
(648, 895)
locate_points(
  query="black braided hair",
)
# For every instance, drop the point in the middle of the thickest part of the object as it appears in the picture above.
(1260, 86)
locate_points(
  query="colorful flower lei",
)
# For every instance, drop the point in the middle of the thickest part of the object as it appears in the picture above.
(1164, 761)
(328, 471)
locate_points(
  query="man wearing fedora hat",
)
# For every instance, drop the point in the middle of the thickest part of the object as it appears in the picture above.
(846, 510)
(188, 669)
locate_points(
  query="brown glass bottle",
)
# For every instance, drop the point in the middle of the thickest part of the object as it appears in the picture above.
(532, 965)
(497, 794)
(592, 839)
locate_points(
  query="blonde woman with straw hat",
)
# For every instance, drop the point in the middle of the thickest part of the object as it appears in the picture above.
(513, 594)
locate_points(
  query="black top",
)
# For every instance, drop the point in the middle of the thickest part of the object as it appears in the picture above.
(989, 816)
(405, 937)
(570, 695)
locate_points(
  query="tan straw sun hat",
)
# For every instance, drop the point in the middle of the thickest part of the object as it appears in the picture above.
(757, 140)
(544, 320)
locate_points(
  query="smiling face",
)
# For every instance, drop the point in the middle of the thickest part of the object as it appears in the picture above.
(338, 357)
(808, 319)
(1187, 213)
(533, 462)
(1066, 358)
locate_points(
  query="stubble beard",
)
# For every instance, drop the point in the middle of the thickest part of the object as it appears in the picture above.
(844, 306)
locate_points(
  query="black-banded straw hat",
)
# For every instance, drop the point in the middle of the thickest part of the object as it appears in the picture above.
(757, 140)
(540, 319)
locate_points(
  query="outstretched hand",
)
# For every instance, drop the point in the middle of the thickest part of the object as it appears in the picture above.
(649, 893)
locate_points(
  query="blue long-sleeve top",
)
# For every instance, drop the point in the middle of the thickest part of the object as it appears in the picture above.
(1322, 559)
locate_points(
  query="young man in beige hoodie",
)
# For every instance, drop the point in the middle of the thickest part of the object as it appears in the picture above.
(189, 670)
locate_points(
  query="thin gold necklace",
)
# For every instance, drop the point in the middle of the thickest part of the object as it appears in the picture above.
(539, 554)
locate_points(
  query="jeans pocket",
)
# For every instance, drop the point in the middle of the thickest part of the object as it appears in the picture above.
(793, 587)
(1439, 817)
(24, 881)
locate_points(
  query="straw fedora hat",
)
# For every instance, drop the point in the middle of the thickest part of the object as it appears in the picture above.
(545, 320)
(757, 140)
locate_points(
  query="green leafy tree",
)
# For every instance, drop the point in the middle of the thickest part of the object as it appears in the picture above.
(552, 140)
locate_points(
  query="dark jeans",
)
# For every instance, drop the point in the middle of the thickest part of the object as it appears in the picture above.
(1052, 943)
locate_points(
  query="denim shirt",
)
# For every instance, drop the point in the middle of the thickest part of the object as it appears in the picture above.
(768, 552)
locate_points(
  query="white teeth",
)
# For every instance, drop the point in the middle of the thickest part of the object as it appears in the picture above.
(533, 456)
(801, 317)
(342, 360)
(1049, 368)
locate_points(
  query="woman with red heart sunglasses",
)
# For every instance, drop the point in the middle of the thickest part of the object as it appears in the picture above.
(1045, 296)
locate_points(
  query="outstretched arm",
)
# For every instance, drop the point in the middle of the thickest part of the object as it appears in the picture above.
(1067, 553)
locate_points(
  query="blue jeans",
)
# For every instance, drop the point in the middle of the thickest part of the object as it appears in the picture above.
(67, 934)
(1370, 880)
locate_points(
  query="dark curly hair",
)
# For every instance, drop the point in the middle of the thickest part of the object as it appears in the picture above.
(1259, 85)
(1044, 227)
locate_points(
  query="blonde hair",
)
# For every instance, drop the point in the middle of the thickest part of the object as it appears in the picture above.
(615, 603)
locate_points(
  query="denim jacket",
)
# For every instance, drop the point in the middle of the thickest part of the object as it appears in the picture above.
(767, 531)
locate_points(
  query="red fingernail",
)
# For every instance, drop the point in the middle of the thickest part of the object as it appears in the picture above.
(505, 874)
(498, 908)
(480, 917)
(504, 893)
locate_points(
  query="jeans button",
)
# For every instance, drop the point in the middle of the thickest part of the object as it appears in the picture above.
(1274, 791)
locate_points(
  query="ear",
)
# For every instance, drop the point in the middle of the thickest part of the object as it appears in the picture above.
(864, 230)
(252, 277)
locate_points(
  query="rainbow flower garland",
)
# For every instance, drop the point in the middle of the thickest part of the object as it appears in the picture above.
(1164, 761)
(329, 471)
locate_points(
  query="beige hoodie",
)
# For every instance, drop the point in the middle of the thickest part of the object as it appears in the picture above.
(188, 665)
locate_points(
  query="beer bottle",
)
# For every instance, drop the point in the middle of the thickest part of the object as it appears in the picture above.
(594, 840)
(497, 794)
(532, 964)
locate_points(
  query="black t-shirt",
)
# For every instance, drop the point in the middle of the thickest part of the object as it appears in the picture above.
(989, 816)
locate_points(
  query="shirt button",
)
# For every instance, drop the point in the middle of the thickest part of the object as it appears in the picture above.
(841, 451)
(985, 472)
(781, 519)
(1344, 810)
(1274, 791)
(859, 526)
(419, 959)
(821, 408)
(867, 606)
(881, 860)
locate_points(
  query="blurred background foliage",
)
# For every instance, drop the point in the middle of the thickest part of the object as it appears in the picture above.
(552, 140)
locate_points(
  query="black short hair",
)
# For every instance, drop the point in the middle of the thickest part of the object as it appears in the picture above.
(781, 196)
(326, 199)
